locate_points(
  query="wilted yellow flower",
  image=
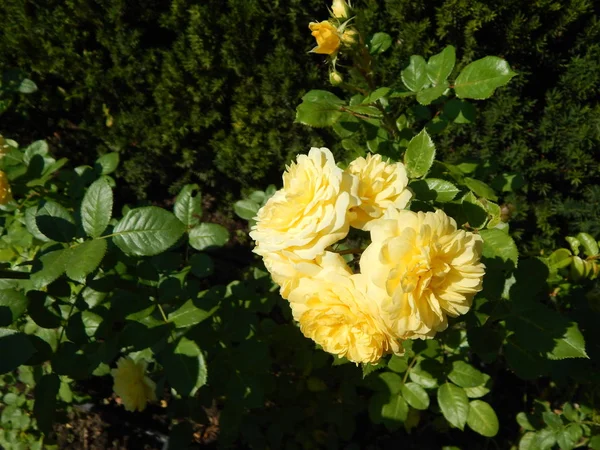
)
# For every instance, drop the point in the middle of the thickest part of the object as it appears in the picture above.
(340, 9)
(421, 269)
(132, 384)
(328, 40)
(381, 185)
(5, 192)
(333, 309)
(287, 269)
(311, 211)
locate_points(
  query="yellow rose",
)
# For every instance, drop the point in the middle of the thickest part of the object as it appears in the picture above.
(421, 269)
(328, 40)
(132, 384)
(287, 269)
(340, 9)
(5, 192)
(310, 212)
(381, 185)
(333, 309)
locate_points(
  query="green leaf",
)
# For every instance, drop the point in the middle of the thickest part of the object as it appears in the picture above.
(55, 222)
(439, 67)
(419, 155)
(27, 86)
(480, 391)
(185, 367)
(15, 349)
(96, 208)
(107, 163)
(246, 209)
(497, 244)
(454, 404)
(394, 412)
(379, 43)
(480, 188)
(85, 258)
(524, 422)
(189, 314)
(427, 96)
(589, 244)
(188, 208)
(434, 189)
(44, 407)
(543, 440)
(560, 258)
(398, 363)
(480, 79)
(147, 231)
(422, 377)
(208, 235)
(547, 332)
(31, 224)
(64, 392)
(414, 76)
(465, 375)
(376, 95)
(201, 265)
(552, 420)
(346, 127)
(574, 243)
(415, 395)
(459, 111)
(527, 364)
(569, 436)
(390, 380)
(494, 214)
(482, 418)
(12, 305)
(35, 148)
(319, 109)
(595, 442)
(474, 210)
(49, 267)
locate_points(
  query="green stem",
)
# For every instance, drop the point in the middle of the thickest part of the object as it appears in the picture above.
(162, 313)
(64, 327)
(351, 251)
(410, 366)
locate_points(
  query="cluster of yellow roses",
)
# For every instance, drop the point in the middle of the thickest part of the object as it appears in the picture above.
(418, 269)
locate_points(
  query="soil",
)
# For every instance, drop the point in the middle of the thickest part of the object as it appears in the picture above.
(104, 424)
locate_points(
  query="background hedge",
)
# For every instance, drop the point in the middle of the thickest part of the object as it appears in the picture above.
(206, 91)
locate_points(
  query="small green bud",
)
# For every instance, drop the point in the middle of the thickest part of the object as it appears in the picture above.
(335, 78)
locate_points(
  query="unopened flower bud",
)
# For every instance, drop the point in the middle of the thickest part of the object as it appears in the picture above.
(340, 9)
(335, 78)
(350, 37)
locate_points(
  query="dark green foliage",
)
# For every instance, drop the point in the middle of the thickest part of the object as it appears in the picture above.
(206, 91)
(544, 125)
(183, 89)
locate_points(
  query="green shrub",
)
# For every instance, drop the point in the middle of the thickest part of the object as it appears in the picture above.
(205, 92)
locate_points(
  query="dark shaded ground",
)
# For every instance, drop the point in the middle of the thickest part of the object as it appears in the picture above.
(104, 424)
